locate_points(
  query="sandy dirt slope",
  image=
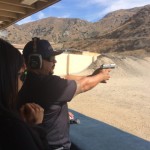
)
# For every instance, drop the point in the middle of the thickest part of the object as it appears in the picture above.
(124, 101)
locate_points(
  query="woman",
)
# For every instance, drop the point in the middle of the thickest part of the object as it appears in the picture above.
(14, 132)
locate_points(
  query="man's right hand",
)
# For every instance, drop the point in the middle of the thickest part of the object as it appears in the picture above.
(105, 74)
(32, 113)
(88, 82)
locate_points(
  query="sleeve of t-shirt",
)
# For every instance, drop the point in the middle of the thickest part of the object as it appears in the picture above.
(68, 92)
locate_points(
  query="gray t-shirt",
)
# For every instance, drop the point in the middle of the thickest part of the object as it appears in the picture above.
(52, 93)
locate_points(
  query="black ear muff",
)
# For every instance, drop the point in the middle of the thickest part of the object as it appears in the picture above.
(35, 59)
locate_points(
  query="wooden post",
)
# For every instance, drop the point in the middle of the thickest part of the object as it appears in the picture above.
(68, 61)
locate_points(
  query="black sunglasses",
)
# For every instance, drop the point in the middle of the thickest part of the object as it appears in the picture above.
(50, 59)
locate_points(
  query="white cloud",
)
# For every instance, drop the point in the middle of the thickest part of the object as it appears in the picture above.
(98, 9)
(119, 3)
(65, 16)
(116, 4)
(26, 20)
(58, 6)
(88, 3)
(40, 15)
(107, 6)
(126, 4)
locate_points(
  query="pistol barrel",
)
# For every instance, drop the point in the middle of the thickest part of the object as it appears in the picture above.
(108, 66)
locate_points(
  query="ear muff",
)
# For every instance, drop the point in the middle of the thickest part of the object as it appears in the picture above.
(35, 59)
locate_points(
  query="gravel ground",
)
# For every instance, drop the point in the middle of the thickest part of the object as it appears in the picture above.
(124, 101)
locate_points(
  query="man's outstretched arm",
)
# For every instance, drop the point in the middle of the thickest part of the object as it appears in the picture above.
(85, 83)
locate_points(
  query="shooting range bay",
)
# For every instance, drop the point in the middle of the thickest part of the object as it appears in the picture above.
(124, 102)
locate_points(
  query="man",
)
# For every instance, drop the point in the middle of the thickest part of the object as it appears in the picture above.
(53, 92)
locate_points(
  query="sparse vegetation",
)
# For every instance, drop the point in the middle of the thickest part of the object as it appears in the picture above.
(120, 30)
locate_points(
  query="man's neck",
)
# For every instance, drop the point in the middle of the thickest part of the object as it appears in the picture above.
(39, 71)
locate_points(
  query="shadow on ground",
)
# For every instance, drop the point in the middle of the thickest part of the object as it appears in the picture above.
(92, 134)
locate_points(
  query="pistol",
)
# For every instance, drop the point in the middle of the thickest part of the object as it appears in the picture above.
(103, 66)
(107, 66)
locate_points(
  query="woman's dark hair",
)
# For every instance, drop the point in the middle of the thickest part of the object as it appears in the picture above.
(11, 62)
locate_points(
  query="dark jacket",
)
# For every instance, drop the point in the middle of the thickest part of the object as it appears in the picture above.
(16, 134)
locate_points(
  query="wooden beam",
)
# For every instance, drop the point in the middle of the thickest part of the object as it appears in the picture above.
(30, 2)
(41, 5)
(2, 23)
(8, 14)
(43, 0)
(5, 19)
(16, 3)
(16, 11)
(11, 8)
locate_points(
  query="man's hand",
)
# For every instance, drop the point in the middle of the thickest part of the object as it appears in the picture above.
(71, 115)
(88, 82)
(105, 74)
(32, 113)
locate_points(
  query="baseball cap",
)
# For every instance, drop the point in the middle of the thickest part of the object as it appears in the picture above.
(43, 47)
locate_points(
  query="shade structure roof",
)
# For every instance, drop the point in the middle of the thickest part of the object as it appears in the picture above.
(11, 11)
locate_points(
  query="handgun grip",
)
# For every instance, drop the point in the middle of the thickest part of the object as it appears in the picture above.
(103, 81)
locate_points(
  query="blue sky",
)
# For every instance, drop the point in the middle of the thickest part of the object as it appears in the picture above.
(90, 10)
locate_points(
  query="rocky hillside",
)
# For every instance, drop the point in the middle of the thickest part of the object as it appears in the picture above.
(118, 31)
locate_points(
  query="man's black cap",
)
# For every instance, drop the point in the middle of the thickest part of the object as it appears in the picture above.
(43, 47)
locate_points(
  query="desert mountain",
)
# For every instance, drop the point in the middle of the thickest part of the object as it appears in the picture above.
(118, 31)
(131, 33)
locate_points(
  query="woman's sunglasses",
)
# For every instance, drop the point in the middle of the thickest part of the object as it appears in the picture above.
(22, 75)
